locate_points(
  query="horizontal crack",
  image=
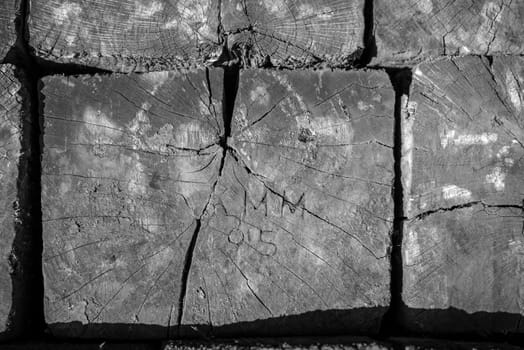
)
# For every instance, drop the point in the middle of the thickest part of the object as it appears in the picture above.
(425, 214)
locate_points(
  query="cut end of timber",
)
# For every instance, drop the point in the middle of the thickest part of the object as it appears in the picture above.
(463, 193)
(160, 35)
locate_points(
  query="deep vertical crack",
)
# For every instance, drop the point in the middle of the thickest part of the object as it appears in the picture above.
(26, 318)
(230, 89)
(27, 311)
(185, 272)
(392, 323)
(370, 45)
(231, 81)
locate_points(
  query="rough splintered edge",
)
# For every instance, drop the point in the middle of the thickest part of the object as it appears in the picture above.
(177, 71)
(143, 65)
(206, 56)
(318, 343)
(118, 63)
(26, 315)
(298, 343)
(335, 343)
(407, 115)
(6, 331)
(31, 321)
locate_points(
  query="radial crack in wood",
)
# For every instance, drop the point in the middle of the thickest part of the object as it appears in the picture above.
(463, 179)
(301, 215)
(295, 33)
(148, 35)
(128, 167)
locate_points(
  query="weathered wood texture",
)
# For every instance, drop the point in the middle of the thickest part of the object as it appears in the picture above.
(150, 35)
(303, 209)
(8, 10)
(463, 177)
(128, 166)
(133, 169)
(295, 32)
(464, 134)
(10, 108)
(128, 35)
(408, 31)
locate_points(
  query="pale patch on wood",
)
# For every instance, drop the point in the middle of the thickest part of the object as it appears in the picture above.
(67, 12)
(68, 82)
(425, 6)
(363, 106)
(306, 10)
(135, 172)
(503, 153)
(453, 138)
(156, 79)
(496, 177)
(172, 23)
(65, 186)
(407, 147)
(276, 7)
(515, 95)
(455, 192)
(148, 10)
(99, 126)
(411, 247)
(260, 95)
(192, 19)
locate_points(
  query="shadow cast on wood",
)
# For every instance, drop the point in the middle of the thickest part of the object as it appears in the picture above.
(450, 324)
